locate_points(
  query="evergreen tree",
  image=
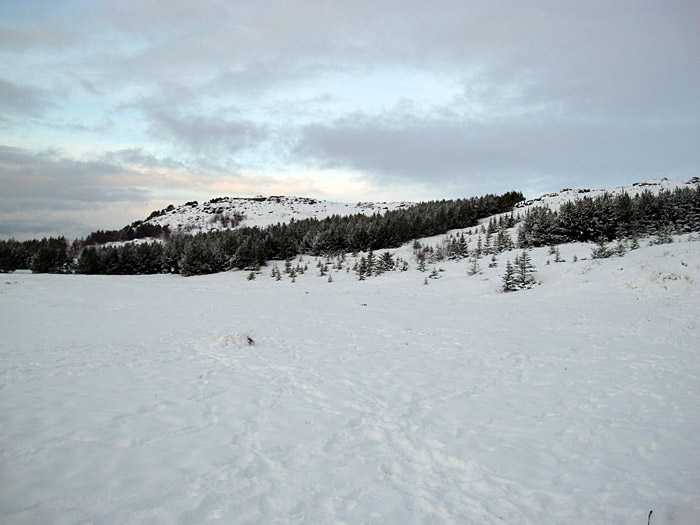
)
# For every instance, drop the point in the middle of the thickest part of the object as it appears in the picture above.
(196, 259)
(664, 235)
(524, 270)
(371, 263)
(386, 262)
(509, 279)
(474, 269)
(7, 257)
(89, 261)
(557, 255)
(462, 248)
(362, 269)
(601, 251)
(51, 256)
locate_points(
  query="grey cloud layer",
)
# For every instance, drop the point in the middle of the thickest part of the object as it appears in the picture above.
(575, 153)
(573, 93)
(48, 181)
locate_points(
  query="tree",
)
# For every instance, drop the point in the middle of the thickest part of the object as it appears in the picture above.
(601, 251)
(89, 261)
(461, 248)
(371, 263)
(664, 235)
(509, 280)
(474, 269)
(51, 256)
(524, 271)
(362, 269)
(386, 262)
(195, 260)
(8, 261)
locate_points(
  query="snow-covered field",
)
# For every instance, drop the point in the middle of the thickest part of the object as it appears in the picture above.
(138, 400)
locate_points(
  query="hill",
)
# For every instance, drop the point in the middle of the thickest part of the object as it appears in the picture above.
(230, 212)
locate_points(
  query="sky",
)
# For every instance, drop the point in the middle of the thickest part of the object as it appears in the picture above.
(112, 109)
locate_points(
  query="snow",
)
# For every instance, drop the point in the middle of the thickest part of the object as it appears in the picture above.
(553, 201)
(261, 211)
(138, 399)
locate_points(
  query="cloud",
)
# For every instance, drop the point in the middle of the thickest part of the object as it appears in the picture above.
(500, 154)
(140, 157)
(21, 100)
(46, 180)
(454, 98)
(202, 134)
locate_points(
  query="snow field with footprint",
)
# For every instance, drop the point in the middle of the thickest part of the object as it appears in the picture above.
(139, 400)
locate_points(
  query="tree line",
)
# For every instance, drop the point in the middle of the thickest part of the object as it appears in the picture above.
(251, 247)
(609, 217)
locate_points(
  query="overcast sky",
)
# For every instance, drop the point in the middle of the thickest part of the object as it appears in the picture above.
(111, 109)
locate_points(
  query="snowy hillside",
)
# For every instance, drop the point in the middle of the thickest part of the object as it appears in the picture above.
(554, 200)
(137, 399)
(226, 212)
(229, 212)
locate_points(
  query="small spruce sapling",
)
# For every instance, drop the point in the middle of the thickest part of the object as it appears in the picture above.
(474, 269)
(509, 283)
(524, 271)
(601, 251)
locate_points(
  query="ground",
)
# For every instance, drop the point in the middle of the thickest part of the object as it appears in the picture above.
(138, 399)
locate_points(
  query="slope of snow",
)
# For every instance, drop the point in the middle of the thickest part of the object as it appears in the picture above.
(138, 400)
(554, 200)
(260, 211)
(226, 212)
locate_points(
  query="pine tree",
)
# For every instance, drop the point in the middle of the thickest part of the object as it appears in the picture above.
(421, 263)
(509, 281)
(474, 269)
(462, 248)
(664, 235)
(621, 248)
(362, 269)
(601, 251)
(524, 270)
(634, 244)
(487, 244)
(557, 255)
(386, 262)
(371, 263)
